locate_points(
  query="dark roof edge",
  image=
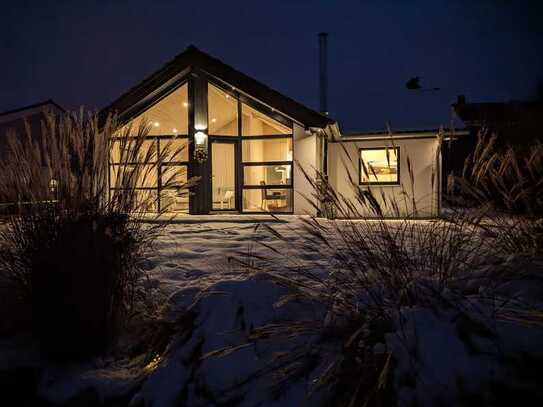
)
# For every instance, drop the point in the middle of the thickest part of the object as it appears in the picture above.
(33, 106)
(400, 132)
(196, 59)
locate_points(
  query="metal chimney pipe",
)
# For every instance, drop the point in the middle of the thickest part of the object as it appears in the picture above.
(323, 72)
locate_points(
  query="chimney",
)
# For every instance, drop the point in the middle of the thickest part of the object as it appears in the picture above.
(323, 72)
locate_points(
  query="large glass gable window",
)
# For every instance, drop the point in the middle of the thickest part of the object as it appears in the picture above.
(161, 182)
(379, 166)
(222, 112)
(265, 153)
(169, 116)
(255, 123)
(266, 161)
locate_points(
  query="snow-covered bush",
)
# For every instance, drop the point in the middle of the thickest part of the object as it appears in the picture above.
(73, 248)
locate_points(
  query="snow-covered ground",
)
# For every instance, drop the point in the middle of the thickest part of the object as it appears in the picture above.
(193, 256)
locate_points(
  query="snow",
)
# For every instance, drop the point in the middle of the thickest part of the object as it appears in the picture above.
(193, 257)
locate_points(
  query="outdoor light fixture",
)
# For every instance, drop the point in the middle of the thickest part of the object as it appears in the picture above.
(200, 138)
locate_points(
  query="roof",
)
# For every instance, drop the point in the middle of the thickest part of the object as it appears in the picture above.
(193, 58)
(404, 133)
(33, 106)
(497, 112)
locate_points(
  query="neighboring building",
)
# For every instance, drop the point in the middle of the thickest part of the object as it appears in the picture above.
(515, 123)
(13, 121)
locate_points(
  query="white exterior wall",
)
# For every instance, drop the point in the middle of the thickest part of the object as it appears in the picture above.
(425, 161)
(305, 155)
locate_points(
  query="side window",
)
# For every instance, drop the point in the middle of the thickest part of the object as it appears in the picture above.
(379, 166)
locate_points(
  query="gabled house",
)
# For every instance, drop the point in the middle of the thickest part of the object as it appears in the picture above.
(242, 138)
(250, 145)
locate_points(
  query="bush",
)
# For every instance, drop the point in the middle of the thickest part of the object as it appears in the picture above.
(73, 248)
(506, 186)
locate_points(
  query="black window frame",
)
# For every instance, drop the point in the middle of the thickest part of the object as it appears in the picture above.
(240, 138)
(157, 138)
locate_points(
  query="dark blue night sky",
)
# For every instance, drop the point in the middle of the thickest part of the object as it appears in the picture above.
(89, 52)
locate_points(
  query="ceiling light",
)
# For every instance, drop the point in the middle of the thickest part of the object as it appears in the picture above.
(156, 124)
(213, 120)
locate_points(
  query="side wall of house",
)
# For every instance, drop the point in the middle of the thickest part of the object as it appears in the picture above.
(305, 155)
(417, 198)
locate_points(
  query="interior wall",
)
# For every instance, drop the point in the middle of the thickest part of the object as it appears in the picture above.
(343, 161)
(305, 156)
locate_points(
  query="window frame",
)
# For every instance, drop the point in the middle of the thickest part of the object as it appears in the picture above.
(382, 183)
(158, 165)
(240, 138)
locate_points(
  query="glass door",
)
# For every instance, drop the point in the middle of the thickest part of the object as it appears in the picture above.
(223, 175)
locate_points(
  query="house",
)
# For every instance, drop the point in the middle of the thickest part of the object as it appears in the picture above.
(13, 121)
(515, 123)
(402, 166)
(247, 144)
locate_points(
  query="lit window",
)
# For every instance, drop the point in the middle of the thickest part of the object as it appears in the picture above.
(223, 113)
(379, 165)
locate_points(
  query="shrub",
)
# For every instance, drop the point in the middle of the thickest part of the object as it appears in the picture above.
(506, 185)
(72, 247)
(363, 272)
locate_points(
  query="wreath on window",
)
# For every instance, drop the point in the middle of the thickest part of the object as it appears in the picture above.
(200, 155)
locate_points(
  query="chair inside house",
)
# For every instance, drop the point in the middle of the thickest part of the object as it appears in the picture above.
(272, 200)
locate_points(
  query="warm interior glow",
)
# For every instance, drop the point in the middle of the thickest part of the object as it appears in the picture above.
(167, 114)
(255, 123)
(223, 175)
(267, 200)
(381, 165)
(267, 150)
(224, 112)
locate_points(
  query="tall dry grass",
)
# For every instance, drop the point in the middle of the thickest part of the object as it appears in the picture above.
(361, 272)
(506, 184)
(71, 246)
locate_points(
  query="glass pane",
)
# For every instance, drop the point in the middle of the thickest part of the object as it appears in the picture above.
(267, 175)
(174, 150)
(174, 201)
(147, 201)
(267, 200)
(267, 150)
(255, 123)
(146, 151)
(167, 116)
(174, 176)
(130, 176)
(379, 165)
(223, 175)
(222, 112)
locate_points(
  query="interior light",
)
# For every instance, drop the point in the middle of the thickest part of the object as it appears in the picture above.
(200, 138)
(156, 124)
(174, 130)
(213, 120)
(185, 104)
(227, 96)
(199, 127)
